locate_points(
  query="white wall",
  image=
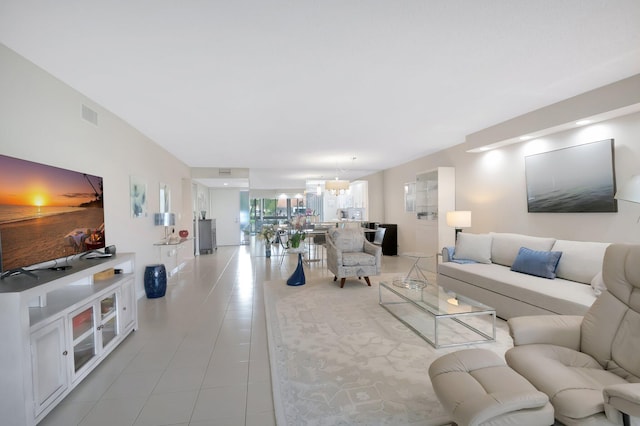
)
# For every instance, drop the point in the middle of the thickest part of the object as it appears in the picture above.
(492, 186)
(40, 120)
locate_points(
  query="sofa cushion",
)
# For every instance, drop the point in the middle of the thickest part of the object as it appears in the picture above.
(347, 239)
(476, 247)
(477, 387)
(598, 285)
(535, 262)
(559, 296)
(505, 246)
(573, 380)
(581, 260)
(358, 259)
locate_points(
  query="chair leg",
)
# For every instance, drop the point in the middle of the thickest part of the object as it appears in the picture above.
(342, 282)
(335, 278)
(367, 280)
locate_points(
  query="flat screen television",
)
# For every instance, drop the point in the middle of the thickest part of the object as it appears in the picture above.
(47, 214)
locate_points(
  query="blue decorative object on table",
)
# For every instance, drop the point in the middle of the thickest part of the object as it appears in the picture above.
(155, 281)
(297, 278)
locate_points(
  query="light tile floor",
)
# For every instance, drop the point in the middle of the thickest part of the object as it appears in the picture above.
(200, 355)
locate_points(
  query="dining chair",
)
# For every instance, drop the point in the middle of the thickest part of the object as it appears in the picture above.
(283, 236)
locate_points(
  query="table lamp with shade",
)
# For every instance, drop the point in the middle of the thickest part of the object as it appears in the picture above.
(459, 219)
(166, 220)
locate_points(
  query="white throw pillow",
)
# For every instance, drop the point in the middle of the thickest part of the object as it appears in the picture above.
(476, 247)
(506, 246)
(598, 285)
(580, 261)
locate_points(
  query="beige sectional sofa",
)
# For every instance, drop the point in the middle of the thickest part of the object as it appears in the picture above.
(480, 267)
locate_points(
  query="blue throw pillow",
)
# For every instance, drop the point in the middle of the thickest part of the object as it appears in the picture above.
(539, 263)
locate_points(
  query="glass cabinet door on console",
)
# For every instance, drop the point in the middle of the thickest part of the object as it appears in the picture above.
(94, 327)
(83, 337)
(108, 326)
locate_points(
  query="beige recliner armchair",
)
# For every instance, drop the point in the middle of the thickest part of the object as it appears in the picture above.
(588, 366)
(349, 254)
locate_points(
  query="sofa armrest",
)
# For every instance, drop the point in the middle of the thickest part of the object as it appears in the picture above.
(373, 250)
(559, 330)
(447, 253)
(621, 398)
(334, 256)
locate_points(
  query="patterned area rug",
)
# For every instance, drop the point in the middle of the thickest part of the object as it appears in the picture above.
(339, 358)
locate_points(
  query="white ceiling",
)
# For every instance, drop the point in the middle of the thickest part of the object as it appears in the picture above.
(294, 90)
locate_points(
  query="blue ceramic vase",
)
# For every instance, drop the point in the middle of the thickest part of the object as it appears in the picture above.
(155, 281)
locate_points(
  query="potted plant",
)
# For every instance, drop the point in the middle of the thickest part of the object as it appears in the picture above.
(298, 235)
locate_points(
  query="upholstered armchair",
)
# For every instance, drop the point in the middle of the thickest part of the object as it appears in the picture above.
(588, 366)
(349, 254)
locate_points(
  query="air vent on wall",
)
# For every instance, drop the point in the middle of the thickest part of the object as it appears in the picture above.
(224, 172)
(90, 115)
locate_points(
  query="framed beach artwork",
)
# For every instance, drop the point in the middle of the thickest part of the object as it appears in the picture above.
(138, 195)
(578, 179)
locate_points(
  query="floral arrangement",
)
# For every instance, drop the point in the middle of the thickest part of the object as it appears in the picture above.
(298, 235)
(267, 233)
(298, 222)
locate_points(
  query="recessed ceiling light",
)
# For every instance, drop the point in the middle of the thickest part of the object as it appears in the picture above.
(583, 122)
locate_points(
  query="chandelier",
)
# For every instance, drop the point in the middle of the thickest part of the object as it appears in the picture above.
(337, 186)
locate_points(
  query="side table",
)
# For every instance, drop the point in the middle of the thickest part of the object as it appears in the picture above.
(417, 256)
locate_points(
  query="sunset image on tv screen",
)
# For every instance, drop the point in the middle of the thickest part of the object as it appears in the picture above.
(47, 212)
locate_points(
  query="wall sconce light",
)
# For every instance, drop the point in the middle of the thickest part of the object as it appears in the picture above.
(459, 219)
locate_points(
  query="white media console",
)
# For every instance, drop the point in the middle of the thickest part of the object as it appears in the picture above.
(54, 330)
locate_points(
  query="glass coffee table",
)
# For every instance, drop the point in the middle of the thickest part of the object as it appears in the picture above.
(441, 317)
